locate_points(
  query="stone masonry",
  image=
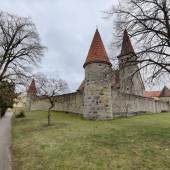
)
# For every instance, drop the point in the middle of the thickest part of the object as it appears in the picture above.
(97, 92)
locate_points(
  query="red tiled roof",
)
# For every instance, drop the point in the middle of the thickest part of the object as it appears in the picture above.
(165, 92)
(32, 87)
(127, 47)
(152, 93)
(97, 52)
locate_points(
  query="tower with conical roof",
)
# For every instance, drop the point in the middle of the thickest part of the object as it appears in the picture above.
(31, 93)
(97, 84)
(165, 92)
(130, 77)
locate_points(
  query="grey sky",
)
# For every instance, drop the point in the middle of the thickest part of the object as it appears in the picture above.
(66, 27)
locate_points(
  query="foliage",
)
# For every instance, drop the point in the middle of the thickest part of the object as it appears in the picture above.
(7, 96)
(21, 114)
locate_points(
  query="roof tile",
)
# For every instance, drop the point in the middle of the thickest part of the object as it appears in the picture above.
(32, 87)
(152, 93)
(97, 52)
(127, 47)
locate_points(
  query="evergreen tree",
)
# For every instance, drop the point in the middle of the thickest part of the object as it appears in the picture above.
(7, 96)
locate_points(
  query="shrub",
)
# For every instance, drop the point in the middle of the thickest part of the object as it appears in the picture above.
(21, 114)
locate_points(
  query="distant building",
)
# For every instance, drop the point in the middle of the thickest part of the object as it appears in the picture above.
(163, 95)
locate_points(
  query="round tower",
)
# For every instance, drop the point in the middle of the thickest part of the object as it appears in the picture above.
(31, 94)
(97, 84)
(130, 77)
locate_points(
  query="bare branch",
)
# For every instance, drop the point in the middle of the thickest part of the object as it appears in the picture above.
(20, 46)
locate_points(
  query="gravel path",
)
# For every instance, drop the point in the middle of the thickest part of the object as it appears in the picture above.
(5, 135)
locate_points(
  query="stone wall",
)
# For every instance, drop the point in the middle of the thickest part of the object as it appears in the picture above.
(122, 103)
(97, 91)
(166, 99)
(72, 103)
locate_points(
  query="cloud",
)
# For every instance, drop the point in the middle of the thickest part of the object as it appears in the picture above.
(66, 28)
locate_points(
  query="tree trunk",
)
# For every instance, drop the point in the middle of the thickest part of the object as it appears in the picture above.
(49, 111)
(49, 116)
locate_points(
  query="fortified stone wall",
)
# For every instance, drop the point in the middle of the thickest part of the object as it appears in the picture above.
(72, 103)
(122, 103)
(166, 99)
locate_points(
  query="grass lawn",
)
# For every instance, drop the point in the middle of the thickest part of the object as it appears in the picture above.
(135, 143)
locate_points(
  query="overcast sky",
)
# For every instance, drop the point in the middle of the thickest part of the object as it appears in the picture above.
(66, 28)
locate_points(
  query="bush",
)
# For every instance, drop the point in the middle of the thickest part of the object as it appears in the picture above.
(21, 114)
(3, 111)
(7, 96)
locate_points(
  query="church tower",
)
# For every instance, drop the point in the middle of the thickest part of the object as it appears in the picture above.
(31, 94)
(130, 78)
(97, 84)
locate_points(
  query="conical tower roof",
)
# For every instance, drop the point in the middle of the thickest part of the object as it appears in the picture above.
(127, 47)
(32, 88)
(165, 92)
(97, 52)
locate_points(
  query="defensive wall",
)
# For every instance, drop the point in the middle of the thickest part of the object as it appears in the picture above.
(121, 103)
(72, 103)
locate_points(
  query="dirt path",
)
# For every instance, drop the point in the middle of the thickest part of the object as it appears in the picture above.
(5, 135)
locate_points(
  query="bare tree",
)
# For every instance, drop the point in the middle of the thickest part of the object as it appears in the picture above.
(50, 88)
(148, 24)
(20, 47)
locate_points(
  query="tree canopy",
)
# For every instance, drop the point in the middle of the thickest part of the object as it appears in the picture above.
(20, 47)
(50, 88)
(148, 24)
(7, 96)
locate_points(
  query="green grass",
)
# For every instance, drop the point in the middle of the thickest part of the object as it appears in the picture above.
(136, 143)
